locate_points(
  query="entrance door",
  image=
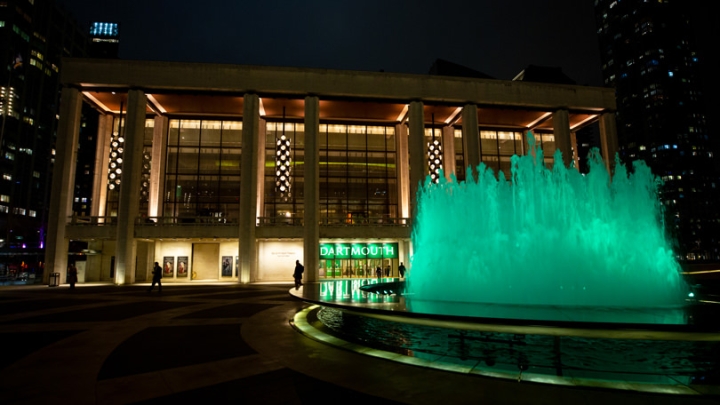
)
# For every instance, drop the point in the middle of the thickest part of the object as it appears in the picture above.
(205, 261)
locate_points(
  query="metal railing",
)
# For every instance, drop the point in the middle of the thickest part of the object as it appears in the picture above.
(154, 221)
(261, 221)
(186, 221)
(91, 221)
(365, 221)
(280, 221)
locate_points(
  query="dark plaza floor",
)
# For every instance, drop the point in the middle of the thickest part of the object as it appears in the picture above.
(220, 343)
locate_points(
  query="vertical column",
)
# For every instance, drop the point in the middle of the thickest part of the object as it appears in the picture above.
(526, 142)
(311, 243)
(68, 132)
(102, 157)
(129, 199)
(401, 147)
(576, 155)
(261, 168)
(448, 144)
(157, 165)
(561, 130)
(608, 140)
(416, 147)
(471, 139)
(248, 188)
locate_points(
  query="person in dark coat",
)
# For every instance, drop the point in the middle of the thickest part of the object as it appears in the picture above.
(72, 275)
(298, 273)
(401, 269)
(157, 276)
(378, 272)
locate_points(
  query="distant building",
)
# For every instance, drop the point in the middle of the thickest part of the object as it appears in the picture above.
(442, 67)
(649, 56)
(34, 36)
(544, 74)
(104, 40)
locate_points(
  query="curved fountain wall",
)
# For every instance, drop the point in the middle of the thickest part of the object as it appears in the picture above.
(544, 237)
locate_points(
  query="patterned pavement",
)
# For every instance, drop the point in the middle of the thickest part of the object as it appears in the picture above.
(217, 343)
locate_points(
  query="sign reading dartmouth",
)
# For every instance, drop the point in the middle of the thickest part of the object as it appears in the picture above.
(358, 251)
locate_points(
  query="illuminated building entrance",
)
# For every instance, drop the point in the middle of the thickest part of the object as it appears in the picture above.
(358, 260)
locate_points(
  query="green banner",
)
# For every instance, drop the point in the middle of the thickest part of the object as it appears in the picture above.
(332, 251)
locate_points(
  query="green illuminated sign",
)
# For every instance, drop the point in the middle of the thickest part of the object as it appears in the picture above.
(330, 251)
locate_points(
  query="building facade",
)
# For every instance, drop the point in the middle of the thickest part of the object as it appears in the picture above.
(650, 57)
(225, 172)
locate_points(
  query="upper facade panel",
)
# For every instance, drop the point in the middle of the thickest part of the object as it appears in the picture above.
(235, 80)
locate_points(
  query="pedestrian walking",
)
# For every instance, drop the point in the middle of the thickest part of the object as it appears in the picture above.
(157, 277)
(298, 273)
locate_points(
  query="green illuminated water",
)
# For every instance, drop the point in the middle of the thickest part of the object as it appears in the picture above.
(544, 237)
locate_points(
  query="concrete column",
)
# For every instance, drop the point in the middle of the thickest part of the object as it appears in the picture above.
(561, 130)
(417, 151)
(261, 168)
(157, 165)
(63, 182)
(526, 142)
(248, 188)
(311, 242)
(402, 168)
(129, 198)
(102, 157)
(608, 140)
(573, 144)
(448, 144)
(471, 140)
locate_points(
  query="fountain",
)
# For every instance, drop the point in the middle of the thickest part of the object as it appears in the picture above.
(551, 276)
(546, 237)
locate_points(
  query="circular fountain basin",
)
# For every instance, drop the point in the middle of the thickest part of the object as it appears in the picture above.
(636, 349)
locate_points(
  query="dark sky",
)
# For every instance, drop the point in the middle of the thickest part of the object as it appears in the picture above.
(497, 37)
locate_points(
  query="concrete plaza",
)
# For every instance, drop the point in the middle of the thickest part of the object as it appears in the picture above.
(220, 343)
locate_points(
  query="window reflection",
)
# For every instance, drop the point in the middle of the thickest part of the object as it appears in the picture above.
(202, 171)
(358, 179)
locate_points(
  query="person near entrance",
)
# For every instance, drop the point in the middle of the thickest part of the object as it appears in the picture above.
(401, 269)
(378, 272)
(157, 276)
(72, 275)
(298, 273)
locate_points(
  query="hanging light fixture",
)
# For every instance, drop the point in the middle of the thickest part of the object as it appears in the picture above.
(434, 155)
(282, 164)
(117, 143)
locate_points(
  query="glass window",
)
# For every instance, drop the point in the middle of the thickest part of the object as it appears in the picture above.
(358, 179)
(202, 172)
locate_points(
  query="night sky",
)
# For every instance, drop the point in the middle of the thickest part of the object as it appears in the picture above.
(498, 38)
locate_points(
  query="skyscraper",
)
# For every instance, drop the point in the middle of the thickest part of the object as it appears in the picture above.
(34, 36)
(104, 40)
(649, 56)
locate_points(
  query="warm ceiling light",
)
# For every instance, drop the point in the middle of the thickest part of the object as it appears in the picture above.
(155, 103)
(537, 121)
(403, 113)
